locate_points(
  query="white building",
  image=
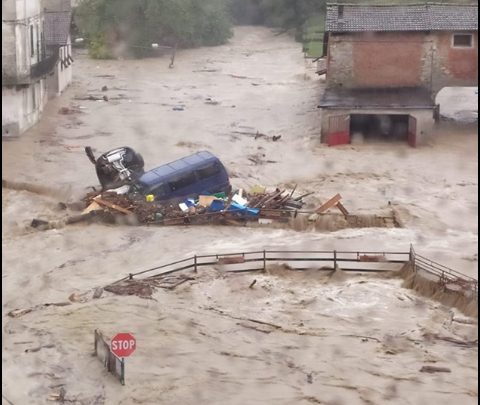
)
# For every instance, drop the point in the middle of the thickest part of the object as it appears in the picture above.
(28, 60)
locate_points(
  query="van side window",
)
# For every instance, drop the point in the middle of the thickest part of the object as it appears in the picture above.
(208, 171)
(159, 191)
(183, 181)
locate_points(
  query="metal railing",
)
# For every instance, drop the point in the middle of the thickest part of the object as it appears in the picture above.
(112, 363)
(351, 261)
(443, 274)
(330, 259)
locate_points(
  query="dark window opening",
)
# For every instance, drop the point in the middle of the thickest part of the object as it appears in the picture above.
(43, 46)
(208, 171)
(32, 42)
(159, 191)
(379, 127)
(182, 182)
(462, 40)
(38, 42)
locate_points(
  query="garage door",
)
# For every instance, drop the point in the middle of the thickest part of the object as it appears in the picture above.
(412, 131)
(338, 130)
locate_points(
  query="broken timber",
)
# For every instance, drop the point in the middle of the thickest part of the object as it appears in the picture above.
(332, 202)
(111, 205)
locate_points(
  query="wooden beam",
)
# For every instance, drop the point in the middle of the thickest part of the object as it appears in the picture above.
(329, 204)
(342, 208)
(111, 205)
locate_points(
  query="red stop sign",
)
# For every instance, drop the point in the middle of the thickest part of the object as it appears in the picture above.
(123, 344)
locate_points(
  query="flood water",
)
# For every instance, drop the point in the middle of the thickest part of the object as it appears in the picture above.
(218, 99)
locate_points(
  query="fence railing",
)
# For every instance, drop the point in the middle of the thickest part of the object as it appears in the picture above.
(351, 261)
(112, 363)
(443, 274)
(244, 261)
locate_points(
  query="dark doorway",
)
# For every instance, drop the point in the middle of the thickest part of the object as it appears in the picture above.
(380, 127)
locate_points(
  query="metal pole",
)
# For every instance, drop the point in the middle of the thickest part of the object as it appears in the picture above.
(264, 261)
(122, 371)
(195, 263)
(334, 260)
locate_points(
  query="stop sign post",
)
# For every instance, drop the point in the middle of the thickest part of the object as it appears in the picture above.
(123, 345)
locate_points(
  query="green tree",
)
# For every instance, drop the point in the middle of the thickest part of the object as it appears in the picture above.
(137, 24)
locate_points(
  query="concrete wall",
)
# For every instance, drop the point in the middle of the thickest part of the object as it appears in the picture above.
(28, 8)
(65, 74)
(62, 76)
(424, 117)
(17, 55)
(23, 104)
(22, 107)
(366, 60)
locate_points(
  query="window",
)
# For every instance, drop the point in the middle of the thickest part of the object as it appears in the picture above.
(208, 171)
(43, 45)
(182, 181)
(462, 40)
(32, 42)
(37, 37)
(159, 191)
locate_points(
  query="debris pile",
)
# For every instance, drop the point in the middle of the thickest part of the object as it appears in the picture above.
(235, 208)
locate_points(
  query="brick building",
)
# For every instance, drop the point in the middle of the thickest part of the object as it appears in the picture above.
(386, 64)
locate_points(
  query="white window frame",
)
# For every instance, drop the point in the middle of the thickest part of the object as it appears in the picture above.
(472, 44)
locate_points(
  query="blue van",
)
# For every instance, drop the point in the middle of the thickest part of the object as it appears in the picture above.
(199, 174)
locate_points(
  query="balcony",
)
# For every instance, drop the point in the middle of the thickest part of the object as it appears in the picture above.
(44, 67)
(11, 76)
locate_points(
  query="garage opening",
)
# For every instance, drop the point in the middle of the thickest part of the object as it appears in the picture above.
(379, 128)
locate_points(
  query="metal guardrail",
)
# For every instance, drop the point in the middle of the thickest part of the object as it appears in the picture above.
(362, 260)
(331, 258)
(444, 274)
(112, 363)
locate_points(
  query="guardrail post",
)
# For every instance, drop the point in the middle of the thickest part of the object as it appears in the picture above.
(95, 341)
(195, 263)
(334, 260)
(264, 261)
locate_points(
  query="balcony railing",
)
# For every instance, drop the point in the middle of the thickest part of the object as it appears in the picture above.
(36, 71)
(44, 67)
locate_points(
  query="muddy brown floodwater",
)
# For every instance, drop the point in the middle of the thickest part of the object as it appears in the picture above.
(341, 340)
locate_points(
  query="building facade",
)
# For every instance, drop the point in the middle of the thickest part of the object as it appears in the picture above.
(28, 59)
(58, 16)
(391, 61)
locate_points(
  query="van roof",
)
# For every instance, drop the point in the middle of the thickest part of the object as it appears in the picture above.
(179, 166)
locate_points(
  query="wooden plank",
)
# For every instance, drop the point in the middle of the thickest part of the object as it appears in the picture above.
(329, 204)
(342, 209)
(111, 205)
